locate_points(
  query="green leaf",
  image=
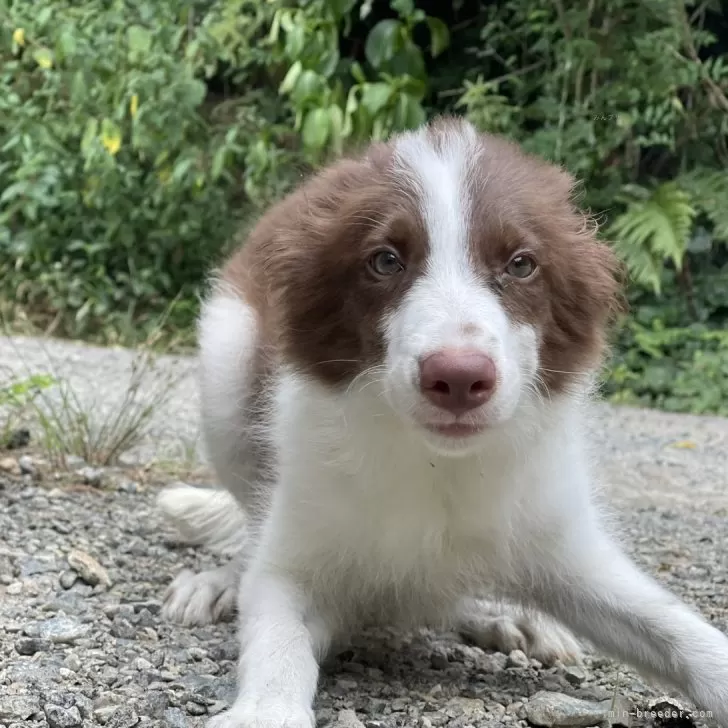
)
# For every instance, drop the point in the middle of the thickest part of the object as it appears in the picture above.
(316, 129)
(43, 57)
(439, 34)
(308, 86)
(341, 8)
(652, 231)
(139, 39)
(375, 96)
(336, 125)
(405, 8)
(383, 41)
(289, 82)
(358, 73)
(89, 135)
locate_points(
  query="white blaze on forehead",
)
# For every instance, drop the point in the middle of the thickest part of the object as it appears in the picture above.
(439, 173)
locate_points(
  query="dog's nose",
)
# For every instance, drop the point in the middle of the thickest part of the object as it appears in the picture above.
(458, 380)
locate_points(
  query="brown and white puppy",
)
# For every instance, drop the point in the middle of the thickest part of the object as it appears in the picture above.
(396, 370)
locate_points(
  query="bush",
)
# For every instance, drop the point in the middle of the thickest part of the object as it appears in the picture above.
(137, 136)
(123, 176)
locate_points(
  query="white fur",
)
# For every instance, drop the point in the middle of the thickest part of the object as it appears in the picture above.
(205, 516)
(449, 307)
(372, 520)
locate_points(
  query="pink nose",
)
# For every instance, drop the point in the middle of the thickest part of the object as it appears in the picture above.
(458, 380)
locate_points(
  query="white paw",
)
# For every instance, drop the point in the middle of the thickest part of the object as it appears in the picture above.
(538, 636)
(199, 599)
(264, 715)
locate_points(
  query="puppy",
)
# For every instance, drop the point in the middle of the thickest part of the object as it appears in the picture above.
(395, 374)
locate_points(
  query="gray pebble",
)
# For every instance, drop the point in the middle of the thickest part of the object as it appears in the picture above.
(574, 674)
(60, 717)
(18, 707)
(123, 717)
(31, 645)
(91, 476)
(517, 658)
(175, 718)
(67, 579)
(88, 568)
(556, 709)
(27, 466)
(58, 629)
(348, 719)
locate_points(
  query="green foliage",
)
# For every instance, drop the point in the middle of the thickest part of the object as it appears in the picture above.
(121, 180)
(16, 400)
(137, 135)
(654, 228)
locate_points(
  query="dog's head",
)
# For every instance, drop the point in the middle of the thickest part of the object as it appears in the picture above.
(446, 273)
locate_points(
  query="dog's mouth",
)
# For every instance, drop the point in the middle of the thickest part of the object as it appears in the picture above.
(455, 430)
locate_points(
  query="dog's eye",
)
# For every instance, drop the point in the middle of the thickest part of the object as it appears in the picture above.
(522, 266)
(385, 263)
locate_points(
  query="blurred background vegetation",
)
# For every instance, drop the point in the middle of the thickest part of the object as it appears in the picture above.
(137, 137)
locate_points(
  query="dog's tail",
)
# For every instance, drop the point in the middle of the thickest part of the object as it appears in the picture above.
(205, 516)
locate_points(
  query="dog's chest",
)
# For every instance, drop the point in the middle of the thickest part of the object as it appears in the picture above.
(432, 527)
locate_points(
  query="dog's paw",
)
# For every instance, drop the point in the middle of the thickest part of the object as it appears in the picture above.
(199, 599)
(536, 635)
(268, 715)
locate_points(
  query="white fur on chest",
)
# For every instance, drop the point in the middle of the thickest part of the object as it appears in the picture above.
(367, 507)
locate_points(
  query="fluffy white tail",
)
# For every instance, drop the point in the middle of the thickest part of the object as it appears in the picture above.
(205, 516)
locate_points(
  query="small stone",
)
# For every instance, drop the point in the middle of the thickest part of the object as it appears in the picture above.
(217, 707)
(469, 707)
(103, 713)
(195, 708)
(127, 486)
(31, 645)
(88, 568)
(58, 630)
(91, 476)
(142, 665)
(18, 707)
(348, 719)
(84, 705)
(59, 717)
(175, 718)
(67, 579)
(574, 674)
(123, 717)
(556, 709)
(41, 565)
(123, 629)
(157, 703)
(438, 660)
(10, 465)
(72, 662)
(27, 466)
(517, 658)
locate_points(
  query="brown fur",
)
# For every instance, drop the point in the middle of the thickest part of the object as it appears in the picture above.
(304, 268)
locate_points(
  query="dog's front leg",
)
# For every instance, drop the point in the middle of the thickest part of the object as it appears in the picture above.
(590, 585)
(280, 647)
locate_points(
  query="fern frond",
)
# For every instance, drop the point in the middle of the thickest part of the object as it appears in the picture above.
(653, 229)
(709, 192)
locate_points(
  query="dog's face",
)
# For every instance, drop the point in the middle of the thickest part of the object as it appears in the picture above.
(445, 272)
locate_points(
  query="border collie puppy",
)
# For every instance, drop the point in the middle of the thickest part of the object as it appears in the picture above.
(395, 376)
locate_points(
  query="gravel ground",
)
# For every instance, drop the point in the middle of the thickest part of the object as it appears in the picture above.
(85, 559)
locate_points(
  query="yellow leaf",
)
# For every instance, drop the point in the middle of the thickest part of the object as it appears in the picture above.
(44, 58)
(134, 105)
(164, 174)
(19, 37)
(685, 445)
(110, 136)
